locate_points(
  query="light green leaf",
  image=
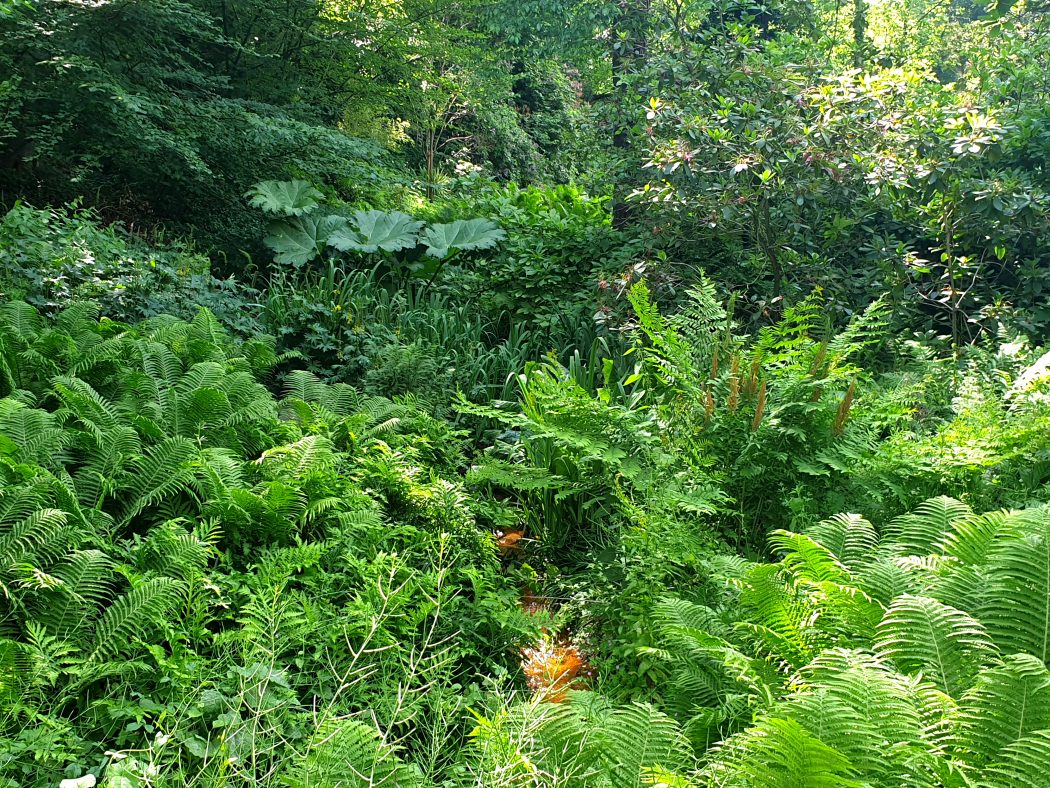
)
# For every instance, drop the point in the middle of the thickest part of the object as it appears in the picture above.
(465, 234)
(390, 231)
(285, 198)
(298, 241)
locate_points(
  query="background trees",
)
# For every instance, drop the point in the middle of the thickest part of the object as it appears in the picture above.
(459, 393)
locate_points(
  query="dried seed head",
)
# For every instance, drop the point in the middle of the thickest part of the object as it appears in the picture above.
(760, 407)
(843, 412)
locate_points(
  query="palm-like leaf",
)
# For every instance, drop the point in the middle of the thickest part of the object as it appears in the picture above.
(285, 198)
(464, 234)
(390, 231)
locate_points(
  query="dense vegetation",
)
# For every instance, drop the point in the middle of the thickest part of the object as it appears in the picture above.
(599, 393)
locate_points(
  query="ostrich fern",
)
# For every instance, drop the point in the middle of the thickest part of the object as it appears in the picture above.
(911, 657)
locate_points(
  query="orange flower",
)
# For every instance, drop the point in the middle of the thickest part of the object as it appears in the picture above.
(553, 668)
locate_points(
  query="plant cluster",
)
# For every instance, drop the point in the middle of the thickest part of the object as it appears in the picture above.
(203, 583)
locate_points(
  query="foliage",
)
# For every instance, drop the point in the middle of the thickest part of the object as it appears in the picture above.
(558, 260)
(906, 176)
(872, 657)
(53, 258)
(261, 571)
(553, 332)
(304, 236)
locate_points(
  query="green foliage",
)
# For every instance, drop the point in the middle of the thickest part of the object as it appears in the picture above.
(304, 237)
(582, 742)
(467, 235)
(289, 198)
(244, 562)
(559, 250)
(928, 686)
(52, 258)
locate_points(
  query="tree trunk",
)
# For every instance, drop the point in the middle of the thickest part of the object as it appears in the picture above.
(629, 50)
(860, 32)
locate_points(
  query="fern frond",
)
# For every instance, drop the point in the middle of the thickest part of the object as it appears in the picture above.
(39, 534)
(849, 537)
(1023, 764)
(350, 753)
(165, 469)
(923, 635)
(809, 559)
(1007, 703)
(133, 614)
(1016, 609)
(86, 586)
(920, 531)
(781, 753)
(637, 738)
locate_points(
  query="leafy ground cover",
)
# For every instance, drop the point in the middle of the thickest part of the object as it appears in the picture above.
(549, 393)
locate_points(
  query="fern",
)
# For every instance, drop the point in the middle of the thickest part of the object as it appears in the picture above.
(780, 753)
(921, 634)
(849, 537)
(165, 469)
(637, 738)
(919, 532)
(347, 752)
(1006, 704)
(85, 588)
(132, 615)
(1017, 598)
(1023, 764)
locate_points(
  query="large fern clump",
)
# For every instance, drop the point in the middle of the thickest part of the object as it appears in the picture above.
(915, 654)
(203, 582)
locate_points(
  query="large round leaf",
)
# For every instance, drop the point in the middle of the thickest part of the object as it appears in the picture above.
(298, 241)
(465, 234)
(390, 231)
(287, 198)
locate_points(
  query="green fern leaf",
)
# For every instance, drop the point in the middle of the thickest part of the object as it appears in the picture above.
(142, 608)
(922, 634)
(1006, 704)
(1017, 602)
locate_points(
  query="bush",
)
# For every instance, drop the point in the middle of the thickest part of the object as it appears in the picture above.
(52, 258)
